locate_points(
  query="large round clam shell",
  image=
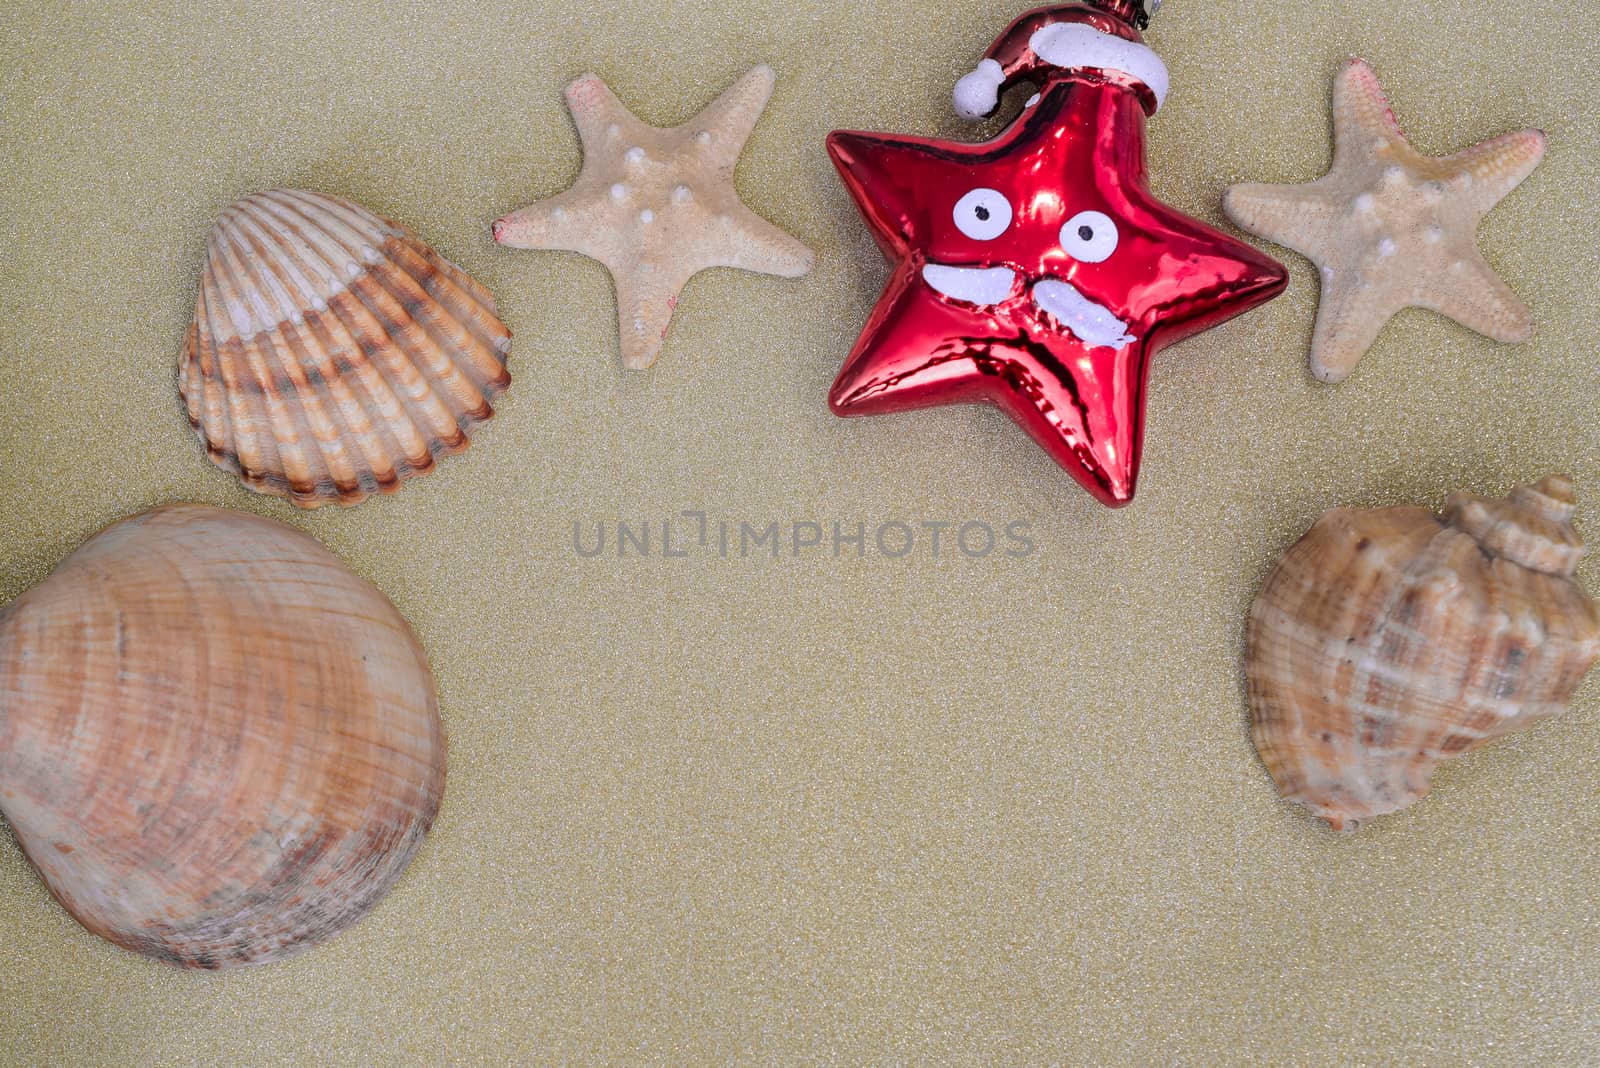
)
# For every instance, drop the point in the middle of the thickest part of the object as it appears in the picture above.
(217, 744)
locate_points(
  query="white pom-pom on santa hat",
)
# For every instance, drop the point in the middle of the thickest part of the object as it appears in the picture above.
(1066, 46)
(978, 94)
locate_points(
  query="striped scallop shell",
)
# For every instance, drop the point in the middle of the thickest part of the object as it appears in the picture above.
(333, 354)
(1388, 641)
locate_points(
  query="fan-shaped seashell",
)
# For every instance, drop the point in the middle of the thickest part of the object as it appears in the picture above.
(333, 354)
(1387, 641)
(217, 744)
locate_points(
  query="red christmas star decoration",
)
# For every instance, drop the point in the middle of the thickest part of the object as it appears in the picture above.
(1036, 271)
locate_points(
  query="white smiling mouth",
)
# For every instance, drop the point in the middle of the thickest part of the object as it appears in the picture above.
(975, 285)
(1091, 323)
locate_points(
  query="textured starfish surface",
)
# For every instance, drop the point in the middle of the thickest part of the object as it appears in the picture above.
(658, 206)
(1390, 228)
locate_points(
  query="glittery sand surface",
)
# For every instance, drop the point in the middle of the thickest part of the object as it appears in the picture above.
(863, 810)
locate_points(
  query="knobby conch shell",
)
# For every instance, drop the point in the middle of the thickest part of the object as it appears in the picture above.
(217, 744)
(1386, 641)
(333, 354)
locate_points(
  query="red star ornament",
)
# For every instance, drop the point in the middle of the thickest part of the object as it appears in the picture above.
(1036, 271)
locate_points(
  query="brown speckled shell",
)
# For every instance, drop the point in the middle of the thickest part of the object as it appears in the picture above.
(1386, 641)
(333, 354)
(217, 744)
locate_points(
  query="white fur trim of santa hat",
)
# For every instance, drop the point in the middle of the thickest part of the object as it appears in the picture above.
(1069, 45)
(1077, 44)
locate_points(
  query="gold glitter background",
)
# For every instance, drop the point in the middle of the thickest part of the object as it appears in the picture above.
(870, 810)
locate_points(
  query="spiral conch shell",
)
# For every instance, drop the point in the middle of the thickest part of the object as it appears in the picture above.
(217, 744)
(1387, 641)
(333, 354)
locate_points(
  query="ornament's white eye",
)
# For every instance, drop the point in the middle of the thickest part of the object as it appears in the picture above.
(983, 214)
(1089, 236)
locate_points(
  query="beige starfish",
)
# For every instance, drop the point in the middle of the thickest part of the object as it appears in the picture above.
(658, 206)
(1391, 228)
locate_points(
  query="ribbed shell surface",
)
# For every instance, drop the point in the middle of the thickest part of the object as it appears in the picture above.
(1386, 641)
(333, 354)
(217, 744)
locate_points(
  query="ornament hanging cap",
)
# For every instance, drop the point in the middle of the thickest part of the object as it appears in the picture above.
(1050, 43)
(1135, 12)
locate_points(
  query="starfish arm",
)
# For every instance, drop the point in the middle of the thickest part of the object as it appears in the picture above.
(1361, 115)
(565, 221)
(1349, 319)
(745, 240)
(912, 354)
(595, 109)
(1295, 216)
(1474, 296)
(645, 303)
(726, 123)
(873, 167)
(1497, 166)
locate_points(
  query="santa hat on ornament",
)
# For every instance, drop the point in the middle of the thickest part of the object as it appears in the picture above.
(1098, 40)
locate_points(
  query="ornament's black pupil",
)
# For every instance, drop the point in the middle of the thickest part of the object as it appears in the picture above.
(982, 212)
(1086, 233)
